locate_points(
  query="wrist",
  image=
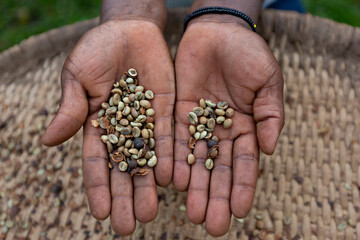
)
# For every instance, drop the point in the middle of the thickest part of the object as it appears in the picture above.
(250, 8)
(149, 10)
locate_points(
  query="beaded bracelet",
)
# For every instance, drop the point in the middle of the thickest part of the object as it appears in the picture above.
(219, 10)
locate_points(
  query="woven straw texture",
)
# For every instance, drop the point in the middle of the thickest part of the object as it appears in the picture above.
(309, 189)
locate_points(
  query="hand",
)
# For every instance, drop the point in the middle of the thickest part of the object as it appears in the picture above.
(88, 75)
(225, 62)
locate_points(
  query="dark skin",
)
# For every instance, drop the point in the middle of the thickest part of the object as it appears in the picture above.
(219, 57)
(224, 60)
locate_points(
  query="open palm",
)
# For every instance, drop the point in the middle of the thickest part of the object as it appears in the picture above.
(88, 75)
(225, 62)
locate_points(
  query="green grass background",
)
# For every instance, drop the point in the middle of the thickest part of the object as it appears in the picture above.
(20, 19)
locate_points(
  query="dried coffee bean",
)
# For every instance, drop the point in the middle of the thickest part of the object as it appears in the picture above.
(211, 143)
(132, 72)
(121, 106)
(215, 138)
(116, 90)
(209, 164)
(126, 130)
(145, 103)
(199, 111)
(192, 118)
(151, 133)
(111, 102)
(192, 142)
(128, 143)
(123, 166)
(138, 95)
(138, 143)
(129, 80)
(206, 113)
(136, 105)
(150, 126)
(116, 99)
(113, 139)
(141, 119)
(149, 94)
(133, 164)
(141, 162)
(211, 123)
(132, 96)
(197, 136)
(213, 152)
(145, 133)
(152, 161)
(126, 100)
(136, 132)
(202, 103)
(134, 112)
(110, 111)
(126, 152)
(101, 113)
(139, 89)
(124, 122)
(192, 129)
(121, 149)
(109, 146)
(152, 143)
(122, 140)
(118, 157)
(148, 155)
(149, 119)
(191, 159)
(130, 118)
(229, 112)
(203, 120)
(122, 83)
(227, 123)
(141, 152)
(134, 124)
(126, 111)
(118, 115)
(104, 138)
(220, 119)
(203, 134)
(208, 135)
(105, 105)
(222, 105)
(220, 112)
(150, 112)
(210, 103)
(200, 128)
(133, 151)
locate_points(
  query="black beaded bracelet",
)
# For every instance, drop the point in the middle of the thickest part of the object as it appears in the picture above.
(219, 10)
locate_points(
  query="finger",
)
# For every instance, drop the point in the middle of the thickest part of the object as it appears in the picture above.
(71, 114)
(145, 198)
(96, 171)
(157, 74)
(218, 214)
(269, 112)
(122, 207)
(197, 198)
(245, 164)
(181, 150)
(163, 104)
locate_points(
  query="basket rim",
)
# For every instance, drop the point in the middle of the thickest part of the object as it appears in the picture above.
(299, 27)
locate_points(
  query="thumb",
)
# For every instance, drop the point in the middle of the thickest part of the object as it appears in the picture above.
(269, 112)
(72, 112)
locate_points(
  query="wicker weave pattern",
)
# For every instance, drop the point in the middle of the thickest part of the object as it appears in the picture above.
(309, 189)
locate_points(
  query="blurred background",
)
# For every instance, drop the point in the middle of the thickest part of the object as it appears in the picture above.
(22, 18)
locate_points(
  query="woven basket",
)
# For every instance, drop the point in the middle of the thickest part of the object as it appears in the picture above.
(309, 189)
